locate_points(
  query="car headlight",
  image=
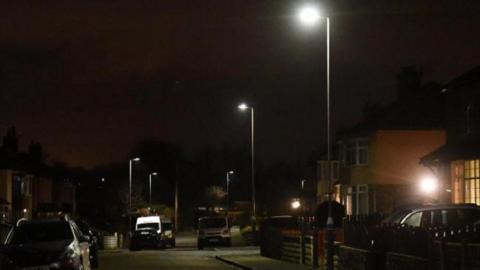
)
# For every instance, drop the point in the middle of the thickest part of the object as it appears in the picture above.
(225, 232)
(168, 234)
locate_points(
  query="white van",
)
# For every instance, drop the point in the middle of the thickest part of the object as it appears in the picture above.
(152, 222)
(213, 230)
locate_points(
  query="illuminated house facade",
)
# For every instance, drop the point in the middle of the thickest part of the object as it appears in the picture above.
(457, 163)
(376, 166)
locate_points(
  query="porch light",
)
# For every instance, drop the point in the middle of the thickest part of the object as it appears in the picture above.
(428, 185)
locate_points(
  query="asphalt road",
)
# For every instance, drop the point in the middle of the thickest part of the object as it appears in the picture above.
(185, 256)
(178, 259)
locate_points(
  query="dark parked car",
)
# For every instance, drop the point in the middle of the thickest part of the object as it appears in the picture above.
(45, 244)
(146, 238)
(436, 215)
(91, 237)
(168, 232)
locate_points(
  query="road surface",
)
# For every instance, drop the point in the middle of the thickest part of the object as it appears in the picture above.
(185, 256)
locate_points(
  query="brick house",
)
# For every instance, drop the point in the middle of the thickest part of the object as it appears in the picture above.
(376, 164)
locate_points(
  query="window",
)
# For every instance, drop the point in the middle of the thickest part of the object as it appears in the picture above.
(41, 232)
(323, 172)
(356, 152)
(357, 200)
(472, 181)
(414, 220)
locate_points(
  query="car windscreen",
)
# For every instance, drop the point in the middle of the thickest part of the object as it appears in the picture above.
(148, 226)
(167, 226)
(41, 232)
(213, 223)
(397, 217)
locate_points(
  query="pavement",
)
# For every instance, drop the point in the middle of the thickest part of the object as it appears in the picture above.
(257, 262)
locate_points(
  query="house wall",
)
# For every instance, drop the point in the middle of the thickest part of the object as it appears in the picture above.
(6, 185)
(397, 153)
(392, 172)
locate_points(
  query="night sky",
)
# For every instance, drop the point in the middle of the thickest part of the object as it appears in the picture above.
(90, 79)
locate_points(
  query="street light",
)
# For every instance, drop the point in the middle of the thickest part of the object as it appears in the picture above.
(130, 190)
(150, 186)
(228, 189)
(244, 107)
(309, 16)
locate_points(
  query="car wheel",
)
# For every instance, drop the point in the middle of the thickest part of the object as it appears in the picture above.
(200, 244)
(228, 242)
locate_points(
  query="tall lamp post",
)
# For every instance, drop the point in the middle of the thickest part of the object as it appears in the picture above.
(130, 163)
(309, 16)
(150, 186)
(245, 107)
(228, 190)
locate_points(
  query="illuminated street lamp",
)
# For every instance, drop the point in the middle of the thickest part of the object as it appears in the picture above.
(136, 159)
(309, 16)
(245, 107)
(150, 186)
(228, 188)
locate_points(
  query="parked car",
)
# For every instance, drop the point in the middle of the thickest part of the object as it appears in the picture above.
(46, 244)
(436, 215)
(148, 233)
(92, 239)
(213, 230)
(168, 231)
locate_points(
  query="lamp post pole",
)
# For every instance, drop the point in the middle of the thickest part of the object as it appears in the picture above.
(130, 169)
(309, 16)
(228, 190)
(253, 165)
(330, 224)
(244, 107)
(150, 187)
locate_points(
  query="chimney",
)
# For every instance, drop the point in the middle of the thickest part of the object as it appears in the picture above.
(409, 81)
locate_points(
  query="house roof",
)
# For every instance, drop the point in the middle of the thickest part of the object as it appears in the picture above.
(423, 111)
(466, 148)
(464, 81)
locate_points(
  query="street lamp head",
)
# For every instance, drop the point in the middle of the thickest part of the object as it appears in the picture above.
(103, 179)
(309, 15)
(231, 172)
(243, 106)
(154, 173)
(136, 159)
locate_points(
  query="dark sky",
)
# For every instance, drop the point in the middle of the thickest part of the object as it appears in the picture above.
(88, 79)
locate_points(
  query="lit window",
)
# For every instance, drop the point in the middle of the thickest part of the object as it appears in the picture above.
(472, 181)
